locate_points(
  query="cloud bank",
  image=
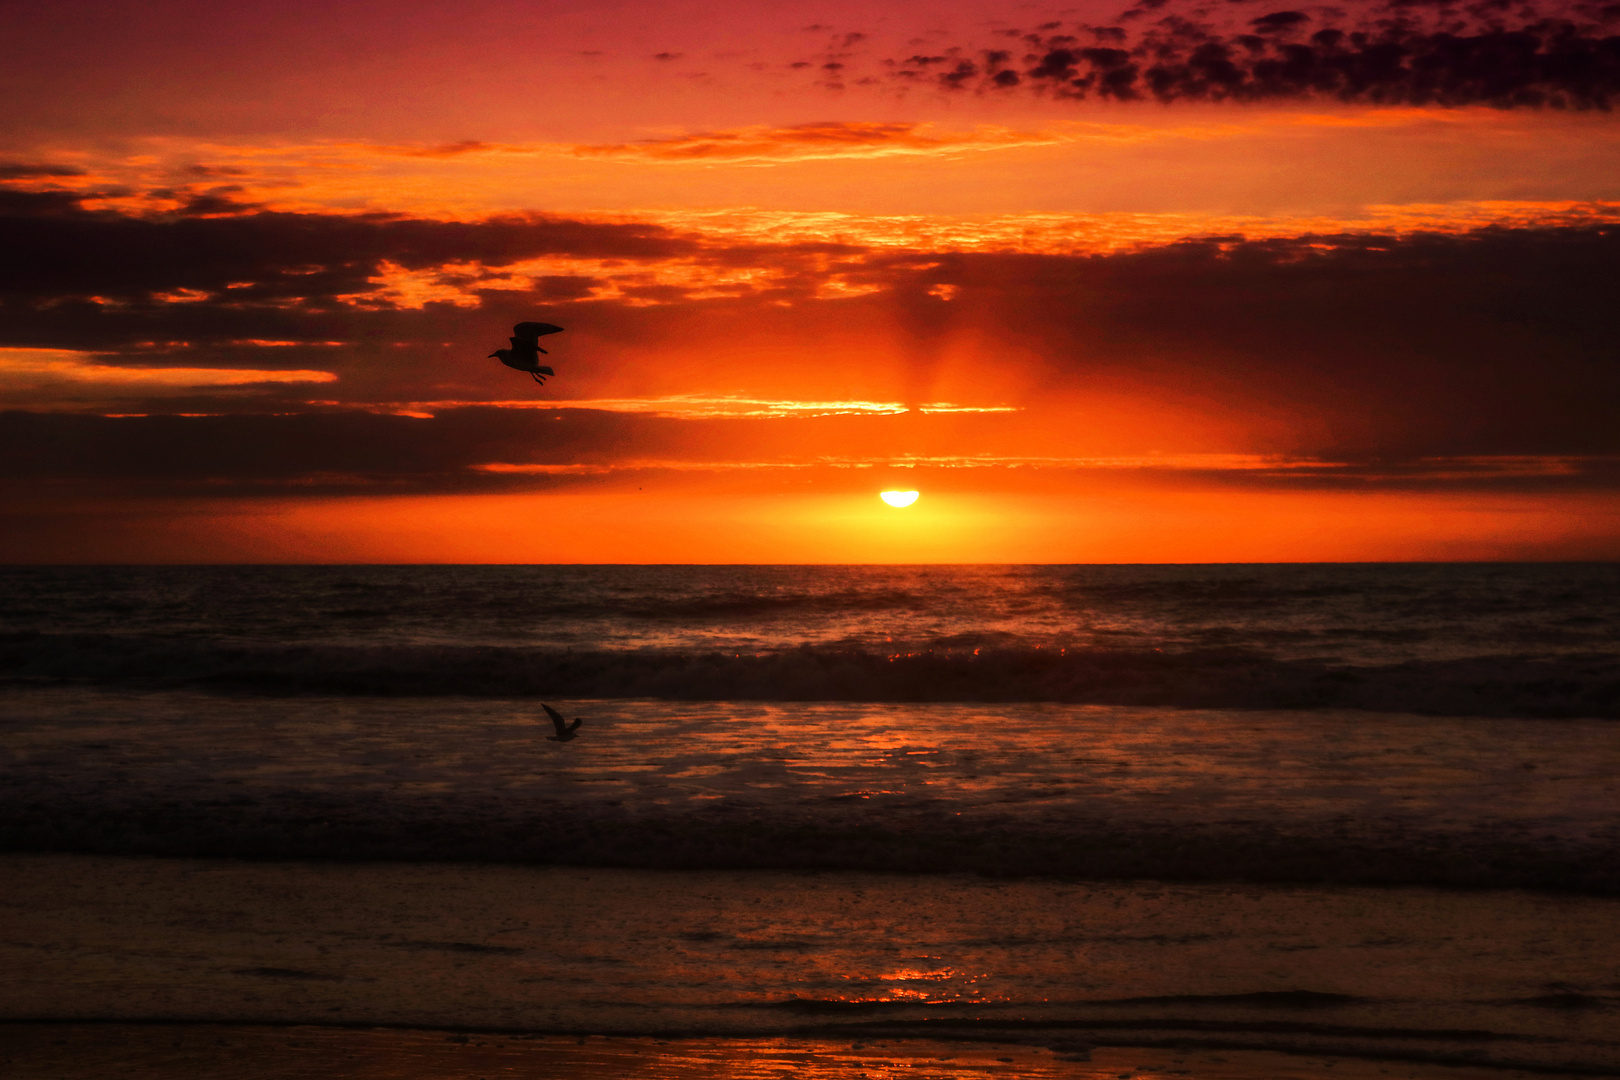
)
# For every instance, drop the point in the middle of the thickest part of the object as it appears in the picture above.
(1423, 357)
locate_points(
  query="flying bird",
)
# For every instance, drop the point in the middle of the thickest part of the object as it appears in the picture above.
(524, 355)
(565, 730)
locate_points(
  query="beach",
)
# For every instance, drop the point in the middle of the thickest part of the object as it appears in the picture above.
(581, 540)
(71, 1052)
(221, 842)
(166, 949)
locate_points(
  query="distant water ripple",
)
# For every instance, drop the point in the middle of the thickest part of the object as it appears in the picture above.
(1524, 640)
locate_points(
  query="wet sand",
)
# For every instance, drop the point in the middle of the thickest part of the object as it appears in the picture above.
(207, 1052)
(149, 956)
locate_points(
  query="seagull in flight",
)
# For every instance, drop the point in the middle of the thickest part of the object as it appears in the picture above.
(524, 355)
(565, 730)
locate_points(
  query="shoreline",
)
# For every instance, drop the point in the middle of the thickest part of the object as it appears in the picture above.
(87, 1050)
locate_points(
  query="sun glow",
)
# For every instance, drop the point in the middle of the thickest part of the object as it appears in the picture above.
(899, 498)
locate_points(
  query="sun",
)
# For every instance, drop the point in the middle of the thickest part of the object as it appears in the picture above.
(899, 498)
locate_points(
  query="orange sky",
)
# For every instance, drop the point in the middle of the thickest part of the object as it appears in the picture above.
(804, 252)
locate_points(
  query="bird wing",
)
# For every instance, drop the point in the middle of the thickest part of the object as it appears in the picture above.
(534, 331)
(556, 718)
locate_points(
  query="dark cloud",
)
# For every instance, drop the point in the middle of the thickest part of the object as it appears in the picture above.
(56, 248)
(1495, 341)
(89, 280)
(347, 450)
(442, 150)
(1279, 20)
(21, 171)
(342, 452)
(326, 451)
(1400, 54)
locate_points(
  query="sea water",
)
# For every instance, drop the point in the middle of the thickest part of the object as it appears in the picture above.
(1098, 799)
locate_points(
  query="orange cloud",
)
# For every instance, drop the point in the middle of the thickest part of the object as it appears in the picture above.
(44, 369)
(718, 270)
(764, 143)
(803, 142)
(470, 179)
(1080, 233)
(1431, 470)
(689, 407)
(636, 283)
(1068, 166)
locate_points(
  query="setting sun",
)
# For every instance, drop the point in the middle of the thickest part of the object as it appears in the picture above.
(394, 459)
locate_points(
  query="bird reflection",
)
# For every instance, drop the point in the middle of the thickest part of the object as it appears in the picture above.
(524, 355)
(565, 730)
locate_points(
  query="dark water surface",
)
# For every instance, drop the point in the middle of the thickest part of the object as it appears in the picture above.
(1357, 811)
(1494, 640)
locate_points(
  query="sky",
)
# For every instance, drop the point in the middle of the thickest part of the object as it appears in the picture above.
(1171, 282)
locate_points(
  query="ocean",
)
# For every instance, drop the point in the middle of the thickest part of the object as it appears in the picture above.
(1017, 819)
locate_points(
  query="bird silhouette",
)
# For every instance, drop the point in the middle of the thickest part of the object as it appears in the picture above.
(524, 355)
(565, 731)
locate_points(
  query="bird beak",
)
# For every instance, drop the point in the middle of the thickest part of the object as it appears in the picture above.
(491, 356)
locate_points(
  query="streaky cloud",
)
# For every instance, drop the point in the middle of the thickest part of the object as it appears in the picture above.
(36, 373)
(16, 170)
(806, 142)
(697, 406)
(483, 450)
